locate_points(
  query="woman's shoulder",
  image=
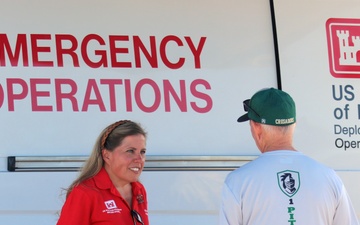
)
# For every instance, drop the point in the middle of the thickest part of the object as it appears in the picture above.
(138, 188)
(85, 186)
(138, 185)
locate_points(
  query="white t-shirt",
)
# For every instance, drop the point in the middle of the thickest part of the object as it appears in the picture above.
(285, 188)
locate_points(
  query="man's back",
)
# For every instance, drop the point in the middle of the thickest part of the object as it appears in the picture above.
(285, 187)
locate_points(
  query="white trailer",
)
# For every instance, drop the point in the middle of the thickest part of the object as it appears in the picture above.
(181, 69)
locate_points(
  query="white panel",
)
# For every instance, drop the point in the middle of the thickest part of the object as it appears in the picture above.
(236, 60)
(306, 74)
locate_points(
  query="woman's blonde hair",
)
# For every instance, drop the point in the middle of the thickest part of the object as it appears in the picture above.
(111, 137)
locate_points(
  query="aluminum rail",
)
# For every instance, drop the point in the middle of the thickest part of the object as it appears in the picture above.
(153, 163)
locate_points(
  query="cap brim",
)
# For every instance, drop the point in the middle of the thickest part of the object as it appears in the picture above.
(243, 118)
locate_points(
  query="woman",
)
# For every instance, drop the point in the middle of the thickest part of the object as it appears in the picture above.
(107, 191)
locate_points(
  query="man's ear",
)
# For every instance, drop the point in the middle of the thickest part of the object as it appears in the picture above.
(256, 129)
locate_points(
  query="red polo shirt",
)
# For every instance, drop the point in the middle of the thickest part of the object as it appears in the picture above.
(97, 202)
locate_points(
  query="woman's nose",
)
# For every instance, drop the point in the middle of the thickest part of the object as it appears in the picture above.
(139, 156)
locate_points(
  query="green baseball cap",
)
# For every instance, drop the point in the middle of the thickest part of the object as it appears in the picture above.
(270, 106)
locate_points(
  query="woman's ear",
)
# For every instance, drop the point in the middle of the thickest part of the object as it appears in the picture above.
(105, 154)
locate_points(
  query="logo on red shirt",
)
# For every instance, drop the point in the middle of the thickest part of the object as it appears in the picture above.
(343, 39)
(110, 204)
(111, 207)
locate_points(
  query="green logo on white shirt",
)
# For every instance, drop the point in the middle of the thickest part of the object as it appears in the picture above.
(289, 182)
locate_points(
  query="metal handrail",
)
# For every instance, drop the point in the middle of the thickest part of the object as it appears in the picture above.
(153, 163)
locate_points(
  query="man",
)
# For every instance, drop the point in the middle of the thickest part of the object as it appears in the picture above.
(282, 186)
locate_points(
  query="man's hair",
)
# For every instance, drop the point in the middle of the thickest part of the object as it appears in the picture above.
(278, 129)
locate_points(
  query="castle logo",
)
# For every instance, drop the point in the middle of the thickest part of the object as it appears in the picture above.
(343, 39)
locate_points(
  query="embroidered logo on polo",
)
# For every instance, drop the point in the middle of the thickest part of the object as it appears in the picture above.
(140, 198)
(111, 207)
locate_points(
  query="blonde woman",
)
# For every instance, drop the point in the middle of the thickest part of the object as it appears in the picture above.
(107, 191)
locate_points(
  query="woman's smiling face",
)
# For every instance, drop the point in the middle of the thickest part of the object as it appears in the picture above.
(125, 163)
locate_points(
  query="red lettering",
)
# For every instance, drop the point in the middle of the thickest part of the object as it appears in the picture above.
(93, 88)
(196, 51)
(40, 49)
(201, 95)
(21, 45)
(90, 52)
(70, 95)
(169, 90)
(152, 58)
(114, 51)
(102, 53)
(147, 94)
(35, 94)
(163, 54)
(138, 99)
(60, 50)
(12, 96)
(112, 96)
(128, 96)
